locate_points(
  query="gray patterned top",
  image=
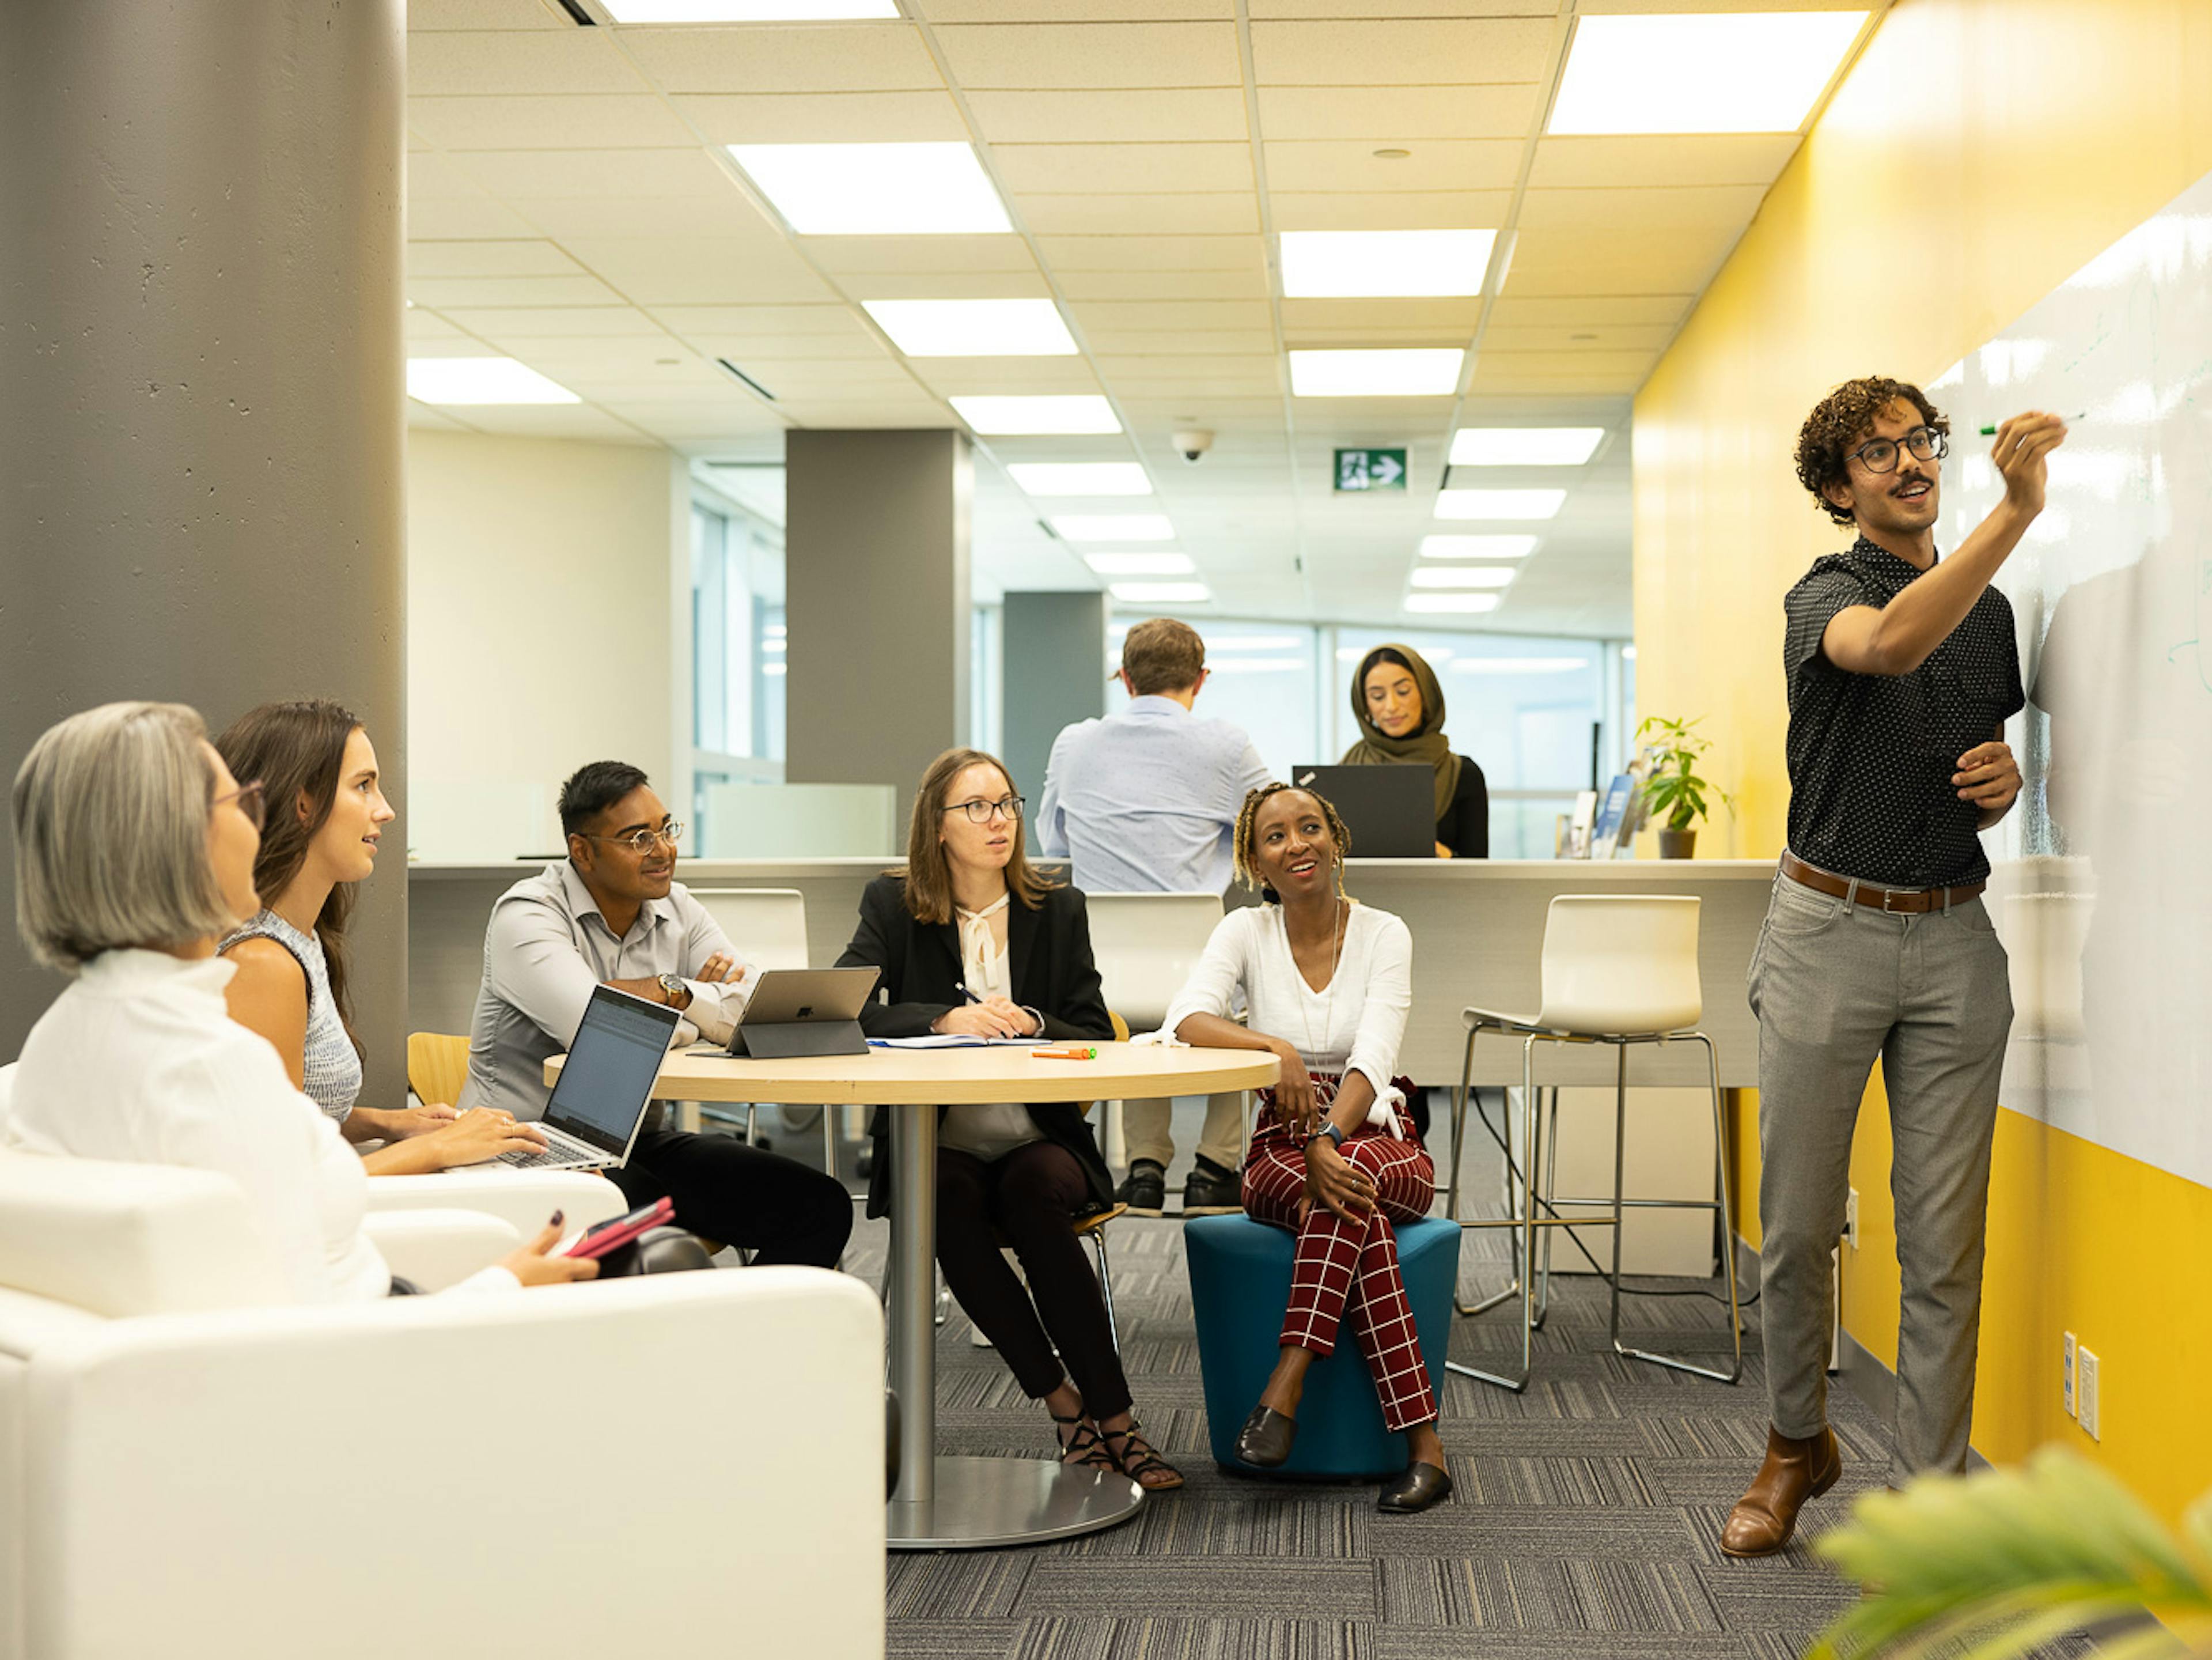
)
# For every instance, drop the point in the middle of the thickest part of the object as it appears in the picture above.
(332, 1071)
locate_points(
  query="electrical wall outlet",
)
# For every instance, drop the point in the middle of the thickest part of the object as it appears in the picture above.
(2086, 1390)
(2068, 1384)
(1851, 1220)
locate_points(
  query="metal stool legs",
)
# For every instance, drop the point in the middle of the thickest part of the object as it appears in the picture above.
(1106, 1287)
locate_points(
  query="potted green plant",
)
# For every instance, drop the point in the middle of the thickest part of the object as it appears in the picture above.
(1673, 792)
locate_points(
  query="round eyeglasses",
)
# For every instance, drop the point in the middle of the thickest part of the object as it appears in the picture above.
(1880, 454)
(981, 813)
(252, 801)
(643, 841)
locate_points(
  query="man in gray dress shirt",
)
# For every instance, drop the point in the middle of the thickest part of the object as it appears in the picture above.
(612, 914)
(1145, 801)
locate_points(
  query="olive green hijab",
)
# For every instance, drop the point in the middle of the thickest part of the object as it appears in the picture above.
(1426, 744)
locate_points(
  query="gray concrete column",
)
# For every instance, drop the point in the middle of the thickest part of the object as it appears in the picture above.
(876, 595)
(201, 438)
(1056, 675)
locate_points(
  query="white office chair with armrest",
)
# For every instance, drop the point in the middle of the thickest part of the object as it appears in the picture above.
(180, 1473)
(1618, 970)
(768, 925)
(1146, 945)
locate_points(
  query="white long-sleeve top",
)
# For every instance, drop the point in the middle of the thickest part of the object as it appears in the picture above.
(139, 1061)
(1356, 1024)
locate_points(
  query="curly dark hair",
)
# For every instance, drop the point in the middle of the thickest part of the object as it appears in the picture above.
(1248, 844)
(1840, 423)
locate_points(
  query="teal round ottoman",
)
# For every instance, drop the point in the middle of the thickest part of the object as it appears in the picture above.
(1240, 1280)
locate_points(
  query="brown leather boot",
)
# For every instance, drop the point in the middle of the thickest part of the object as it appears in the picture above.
(1794, 1471)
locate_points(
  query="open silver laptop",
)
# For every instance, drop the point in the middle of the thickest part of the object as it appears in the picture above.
(599, 1102)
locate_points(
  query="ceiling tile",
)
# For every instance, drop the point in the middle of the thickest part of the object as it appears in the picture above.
(1173, 114)
(1250, 375)
(1153, 343)
(1446, 314)
(1523, 367)
(1398, 115)
(855, 255)
(1031, 169)
(465, 217)
(1164, 284)
(1645, 336)
(870, 415)
(1386, 53)
(824, 117)
(947, 285)
(1338, 9)
(697, 270)
(1377, 334)
(452, 293)
(1652, 207)
(1074, 254)
(1436, 164)
(511, 173)
(1399, 210)
(573, 121)
(432, 177)
(885, 57)
(723, 212)
(796, 324)
(992, 376)
(1076, 11)
(1512, 311)
(422, 324)
(1199, 315)
(544, 323)
(1568, 262)
(1747, 158)
(518, 258)
(517, 61)
(422, 418)
(1144, 214)
(1092, 55)
(643, 360)
(747, 349)
(554, 420)
(427, 15)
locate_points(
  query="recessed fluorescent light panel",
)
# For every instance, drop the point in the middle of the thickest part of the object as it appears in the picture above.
(1524, 446)
(973, 328)
(1500, 504)
(746, 11)
(1081, 412)
(481, 381)
(1463, 576)
(1080, 477)
(1113, 527)
(1139, 564)
(1477, 547)
(1163, 593)
(1452, 602)
(1424, 372)
(876, 190)
(1702, 72)
(1384, 264)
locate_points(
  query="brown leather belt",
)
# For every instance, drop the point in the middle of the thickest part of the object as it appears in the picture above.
(1911, 901)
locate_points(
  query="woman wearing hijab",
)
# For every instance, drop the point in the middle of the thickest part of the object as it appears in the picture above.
(1401, 710)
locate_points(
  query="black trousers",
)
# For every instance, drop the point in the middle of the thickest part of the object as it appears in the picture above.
(1030, 1197)
(741, 1195)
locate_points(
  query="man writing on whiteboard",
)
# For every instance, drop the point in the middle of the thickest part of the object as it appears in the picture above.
(1901, 670)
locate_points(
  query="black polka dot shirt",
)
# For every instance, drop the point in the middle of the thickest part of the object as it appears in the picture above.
(1871, 756)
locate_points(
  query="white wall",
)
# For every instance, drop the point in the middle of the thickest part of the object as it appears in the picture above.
(548, 624)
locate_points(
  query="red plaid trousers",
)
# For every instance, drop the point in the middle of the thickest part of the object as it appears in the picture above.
(1342, 1265)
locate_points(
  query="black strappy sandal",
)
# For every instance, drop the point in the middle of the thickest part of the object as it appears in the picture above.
(1085, 1447)
(1137, 1459)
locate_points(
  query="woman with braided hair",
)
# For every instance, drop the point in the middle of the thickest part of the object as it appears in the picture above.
(1335, 1159)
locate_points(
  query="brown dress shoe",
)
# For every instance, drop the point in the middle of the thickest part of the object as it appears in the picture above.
(1794, 1471)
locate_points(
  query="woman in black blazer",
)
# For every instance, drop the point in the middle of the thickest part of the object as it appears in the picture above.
(969, 940)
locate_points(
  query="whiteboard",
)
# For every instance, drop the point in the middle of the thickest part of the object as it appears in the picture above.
(2103, 884)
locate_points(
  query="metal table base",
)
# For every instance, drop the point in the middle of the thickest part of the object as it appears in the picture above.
(982, 1502)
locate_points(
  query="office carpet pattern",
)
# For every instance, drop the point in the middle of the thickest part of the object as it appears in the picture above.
(1584, 1524)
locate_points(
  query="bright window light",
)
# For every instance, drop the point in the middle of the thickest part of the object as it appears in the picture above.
(1256, 665)
(875, 190)
(1520, 664)
(1500, 504)
(1080, 477)
(1704, 72)
(1081, 412)
(1463, 576)
(1629, 651)
(1353, 654)
(1524, 446)
(773, 669)
(1477, 547)
(973, 328)
(1384, 263)
(1441, 602)
(1424, 372)
(1163, 593)
(1254, 642)
(774, 646)
(746, 11)
(1113, 527)
(481, 381)
(1139, 564)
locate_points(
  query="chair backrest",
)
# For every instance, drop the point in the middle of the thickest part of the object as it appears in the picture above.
(1620, 963)
(7, 1087)
(1146, 945)
(119, 1240)
(767, 925)
(437, 1067)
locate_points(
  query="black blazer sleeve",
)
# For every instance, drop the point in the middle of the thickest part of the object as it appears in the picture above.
(884, 941)
(1465, 827)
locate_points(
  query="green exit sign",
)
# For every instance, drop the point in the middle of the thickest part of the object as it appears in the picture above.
(1370, 470)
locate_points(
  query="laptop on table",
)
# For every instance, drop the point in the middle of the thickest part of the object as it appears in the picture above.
(1390, 810)
(599, 1102)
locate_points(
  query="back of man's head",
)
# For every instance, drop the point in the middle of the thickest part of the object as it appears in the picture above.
(593, 788)
(1161, 656)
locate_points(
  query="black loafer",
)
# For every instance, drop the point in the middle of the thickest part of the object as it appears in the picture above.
(1265, 1441)
(1420, 1487)
(1212, 1191)
(1144, 1191)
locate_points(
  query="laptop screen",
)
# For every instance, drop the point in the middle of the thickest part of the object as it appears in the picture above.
(612, 1061)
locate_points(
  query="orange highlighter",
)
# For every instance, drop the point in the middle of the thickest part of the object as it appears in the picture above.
(1064, 1052)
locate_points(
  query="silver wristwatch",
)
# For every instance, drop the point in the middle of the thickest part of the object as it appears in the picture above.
(672, 989)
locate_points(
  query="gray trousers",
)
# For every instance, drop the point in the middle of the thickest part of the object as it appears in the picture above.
(1834, 985)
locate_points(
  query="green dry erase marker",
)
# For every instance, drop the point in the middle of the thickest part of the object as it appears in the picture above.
(1991, 432)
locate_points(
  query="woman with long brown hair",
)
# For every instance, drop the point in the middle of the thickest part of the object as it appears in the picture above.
(968, 938)
(325, 816)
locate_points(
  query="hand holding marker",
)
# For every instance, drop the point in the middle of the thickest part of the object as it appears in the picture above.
(1991, 430)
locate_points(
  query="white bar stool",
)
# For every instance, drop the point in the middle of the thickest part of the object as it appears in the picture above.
(1618, 970)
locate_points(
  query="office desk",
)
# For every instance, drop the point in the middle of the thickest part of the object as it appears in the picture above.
(951, 1502)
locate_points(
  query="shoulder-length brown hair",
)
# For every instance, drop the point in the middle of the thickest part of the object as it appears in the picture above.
(297, 750)
(928, 873)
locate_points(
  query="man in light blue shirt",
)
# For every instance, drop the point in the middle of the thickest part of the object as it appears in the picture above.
(1145, 801)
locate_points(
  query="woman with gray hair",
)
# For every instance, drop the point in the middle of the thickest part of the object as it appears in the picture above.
(134, 855)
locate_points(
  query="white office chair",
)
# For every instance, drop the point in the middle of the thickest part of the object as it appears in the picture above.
(165, 1408)
(768, 925)
(1146, 945)
(1618, 970)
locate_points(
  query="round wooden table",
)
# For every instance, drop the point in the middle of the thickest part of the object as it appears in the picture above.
(945, 1502)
